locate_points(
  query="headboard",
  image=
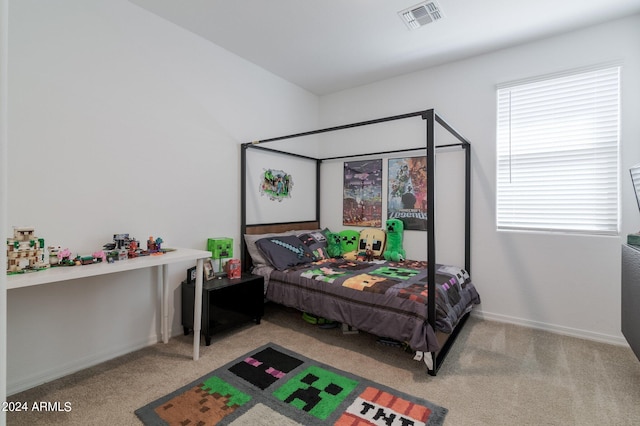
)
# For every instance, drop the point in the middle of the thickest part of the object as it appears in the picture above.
(269, 229)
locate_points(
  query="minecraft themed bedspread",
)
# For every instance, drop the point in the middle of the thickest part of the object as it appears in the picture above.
(387, 299)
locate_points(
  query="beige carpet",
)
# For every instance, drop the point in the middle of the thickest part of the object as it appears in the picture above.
(496, 374)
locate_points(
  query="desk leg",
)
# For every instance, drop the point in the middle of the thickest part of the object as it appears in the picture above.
(165, 303)
(197, 309)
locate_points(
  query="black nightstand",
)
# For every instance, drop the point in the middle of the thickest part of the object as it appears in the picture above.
(225, 303)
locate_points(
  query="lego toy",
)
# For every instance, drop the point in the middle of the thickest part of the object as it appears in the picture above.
(53, 254)
(99, 256)
(126, 247)
(154, 245)
(25, 251)
(64, 258)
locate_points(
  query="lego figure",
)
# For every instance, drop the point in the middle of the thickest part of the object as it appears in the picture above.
(25, 250)
(151, 245)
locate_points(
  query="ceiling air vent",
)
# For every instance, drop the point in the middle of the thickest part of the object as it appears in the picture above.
(421, 14)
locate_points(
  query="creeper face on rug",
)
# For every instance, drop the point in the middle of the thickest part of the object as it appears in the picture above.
(394, 250)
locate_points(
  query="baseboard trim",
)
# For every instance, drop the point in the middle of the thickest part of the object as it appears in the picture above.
(552, 328)
(76, 365)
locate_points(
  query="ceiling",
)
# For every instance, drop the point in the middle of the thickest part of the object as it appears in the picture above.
(331, 45)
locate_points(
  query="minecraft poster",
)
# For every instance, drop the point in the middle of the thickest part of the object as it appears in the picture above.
(408, 192)
(276, 184)
(362, 200)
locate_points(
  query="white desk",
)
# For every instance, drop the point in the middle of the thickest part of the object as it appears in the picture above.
(66, 273)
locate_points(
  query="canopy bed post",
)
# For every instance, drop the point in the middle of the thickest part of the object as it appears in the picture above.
(431, 228)
(243, 205)
(318, 164)
(467, 207)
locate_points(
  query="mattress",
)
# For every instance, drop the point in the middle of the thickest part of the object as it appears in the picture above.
(387, 299)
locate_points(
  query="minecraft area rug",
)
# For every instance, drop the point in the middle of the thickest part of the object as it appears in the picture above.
(275, 386)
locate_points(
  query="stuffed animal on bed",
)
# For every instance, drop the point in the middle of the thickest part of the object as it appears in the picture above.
(349, 243)
(334, 248)
(370, 245)
(394, 250)
(372, 240)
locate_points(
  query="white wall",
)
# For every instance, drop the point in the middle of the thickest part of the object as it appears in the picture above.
(564, 283)
(122, 122)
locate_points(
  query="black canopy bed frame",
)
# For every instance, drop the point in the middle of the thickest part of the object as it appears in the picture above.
(431, 118)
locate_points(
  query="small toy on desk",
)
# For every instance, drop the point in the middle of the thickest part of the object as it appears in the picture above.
(25, 251)
(133, 250)
(53, 255)
(64, 258)
(125, 247)
(84, 260)
(99, 256)
(154, 246)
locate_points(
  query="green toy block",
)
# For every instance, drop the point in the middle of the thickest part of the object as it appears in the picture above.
(220, 248)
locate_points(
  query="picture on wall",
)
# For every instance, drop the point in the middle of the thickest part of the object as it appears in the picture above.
(362, 199)
(276, 184)
(407, 199)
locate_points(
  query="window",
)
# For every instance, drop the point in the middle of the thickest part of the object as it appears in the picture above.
(557, 153)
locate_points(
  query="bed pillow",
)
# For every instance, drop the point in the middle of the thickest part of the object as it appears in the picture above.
(257, 258)
(285, 251)
(316, 242)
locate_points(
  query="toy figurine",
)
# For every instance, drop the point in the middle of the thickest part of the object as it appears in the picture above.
(64, 258)
(368, 254)
(122, 254)
(53, 255)
(133, 249)
(99, 256)
(151, 245)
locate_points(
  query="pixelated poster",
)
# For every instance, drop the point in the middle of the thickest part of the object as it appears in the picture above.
(408, 192)
(362, 200)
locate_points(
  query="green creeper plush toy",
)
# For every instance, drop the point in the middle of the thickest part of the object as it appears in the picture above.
(394, 250)
(349, 241)
(334, 248)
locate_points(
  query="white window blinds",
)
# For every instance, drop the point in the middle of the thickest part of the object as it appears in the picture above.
(557, 153)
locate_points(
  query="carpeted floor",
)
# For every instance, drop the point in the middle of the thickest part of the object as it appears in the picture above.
(496, 374)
